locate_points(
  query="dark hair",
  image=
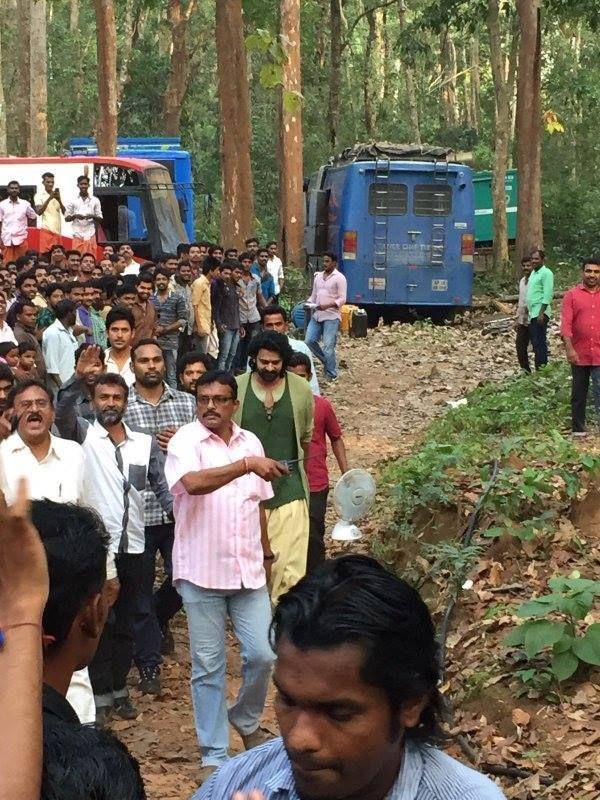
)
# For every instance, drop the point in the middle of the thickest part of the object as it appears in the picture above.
(89, 255)
(50, 288)
(57, 247)
(233, 250)
(110, 379)
(196, 357)
(274, 342)
(166, 257)
(13, 183)
(127, 287)
(144, 343)
(209, 264)
(330, 254)
(268, 244)
(526, 260)
(162, 271)
(73, 253)
(261, 250)
(85, 346)
(47, 175)
(23, 386)
(183, 247)
(6, 347)
(6, 374)
(300, 360)
(144, 277)
(250, 240)
(64, 307)
(354, 600)
(214, 247)
(20, 305)
(591, 260)
(26, 347)
(108, 284)
(245, 255)
(83, 178)
(21, 261)
(271, 311)
(23, 276)
(218, 376)
(538, 250)
(86, 763)
(120, 314)
(76, 543)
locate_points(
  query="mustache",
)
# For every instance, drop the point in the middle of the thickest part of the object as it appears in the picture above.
(35, 416)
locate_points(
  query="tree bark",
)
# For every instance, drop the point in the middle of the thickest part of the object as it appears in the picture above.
(106, 43)
(177, 82)
(475, 85)
(501, 136)
(448, 88)
(335, 71)
(373, 76)
(237, 205)
(22, 104)
(3, 132)
(412, 105)
(39, 79)
(529, 129)
(73, 16)
(291, 196)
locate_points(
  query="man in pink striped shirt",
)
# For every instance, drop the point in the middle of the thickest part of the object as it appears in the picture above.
(219, 476)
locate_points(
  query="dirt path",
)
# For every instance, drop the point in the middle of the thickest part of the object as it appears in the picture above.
(392, 385)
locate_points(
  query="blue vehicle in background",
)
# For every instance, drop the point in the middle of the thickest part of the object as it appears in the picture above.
(166, 151)
(401, 220)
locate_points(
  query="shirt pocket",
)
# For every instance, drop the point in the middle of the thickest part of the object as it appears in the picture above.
(137, 476)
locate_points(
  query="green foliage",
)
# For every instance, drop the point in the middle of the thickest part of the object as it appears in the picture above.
(554, 630)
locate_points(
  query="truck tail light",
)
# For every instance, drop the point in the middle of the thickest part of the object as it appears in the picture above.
(349, 245)
(467, 246)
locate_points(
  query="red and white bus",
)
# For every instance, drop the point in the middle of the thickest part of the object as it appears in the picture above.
(137, 197)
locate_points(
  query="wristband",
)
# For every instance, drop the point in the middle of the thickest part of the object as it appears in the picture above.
(19, 625)
(246, 467)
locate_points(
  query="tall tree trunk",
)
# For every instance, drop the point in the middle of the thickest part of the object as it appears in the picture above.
(320, 45)
(335, 71)
(466, 110)
(475, 85)
(3, 136)
(23, 105)
(39, 79)
(291, 197)
(73, 15)
(237, 206)
(412, 106)
(513, 62)
(448, 88)
(501, 136)
(373, 76)
(529, 128)
(178, 17)
(106, 43)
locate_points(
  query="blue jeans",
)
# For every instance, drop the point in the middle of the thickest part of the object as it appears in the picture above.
(170, 357)
(539, 342)
(250, 613)
(327, 331)
(228, 343)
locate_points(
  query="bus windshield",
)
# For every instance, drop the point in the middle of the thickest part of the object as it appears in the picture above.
(166, 209)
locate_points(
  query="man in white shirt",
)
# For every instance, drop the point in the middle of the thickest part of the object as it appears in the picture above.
(59, 343)
(84, 212)
(275, 267)
(120, 328)
(50, 207)
(131, 266)
(522, 324)
(53, 467)
(118, 464)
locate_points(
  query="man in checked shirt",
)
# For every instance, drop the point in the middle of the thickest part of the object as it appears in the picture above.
(155, 408)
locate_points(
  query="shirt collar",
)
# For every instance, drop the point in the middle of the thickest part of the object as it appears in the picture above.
(206, 434)
(168, 394)
(104, 433)
(16, 444)
(56, 705)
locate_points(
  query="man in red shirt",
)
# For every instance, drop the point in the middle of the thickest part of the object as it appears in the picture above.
(325, 425)
(580, 329)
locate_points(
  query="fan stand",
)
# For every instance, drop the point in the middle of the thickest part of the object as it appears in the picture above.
(344, 531)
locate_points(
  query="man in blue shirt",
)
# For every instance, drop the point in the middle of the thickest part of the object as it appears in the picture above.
(357, 699)
(260, 268)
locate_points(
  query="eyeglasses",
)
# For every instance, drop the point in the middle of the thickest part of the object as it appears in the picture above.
(27, 405)
(216, 401)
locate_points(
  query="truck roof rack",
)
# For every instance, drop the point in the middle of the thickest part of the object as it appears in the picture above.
(375, 151)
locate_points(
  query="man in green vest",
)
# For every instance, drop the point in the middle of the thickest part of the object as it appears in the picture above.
(277, 406)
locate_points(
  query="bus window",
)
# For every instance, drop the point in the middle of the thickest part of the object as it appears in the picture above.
(107, 175)
(432, 200)
(390, 199)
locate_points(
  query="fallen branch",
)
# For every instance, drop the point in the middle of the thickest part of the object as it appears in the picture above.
(514, 772)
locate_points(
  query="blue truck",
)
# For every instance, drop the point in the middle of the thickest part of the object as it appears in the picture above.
(400, 219)
(166, 151)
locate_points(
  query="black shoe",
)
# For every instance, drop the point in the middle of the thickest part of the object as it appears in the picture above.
(167, 643)
(150, 680)
(102, 716)
(124, 708)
